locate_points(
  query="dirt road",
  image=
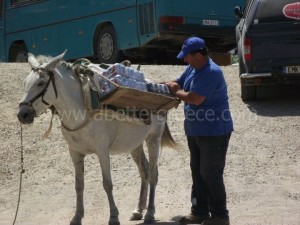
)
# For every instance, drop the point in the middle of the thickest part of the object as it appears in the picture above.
(262, 173)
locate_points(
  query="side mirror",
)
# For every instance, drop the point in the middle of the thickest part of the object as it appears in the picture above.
(238, 12)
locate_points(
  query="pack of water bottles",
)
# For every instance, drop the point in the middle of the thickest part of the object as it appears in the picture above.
(123, 76)
(126, 77)
(158, 88)
(126, 72)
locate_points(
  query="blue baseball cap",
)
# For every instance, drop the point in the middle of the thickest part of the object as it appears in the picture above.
(191, 44)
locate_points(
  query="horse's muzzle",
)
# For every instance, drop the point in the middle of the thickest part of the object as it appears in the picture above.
(26, 114)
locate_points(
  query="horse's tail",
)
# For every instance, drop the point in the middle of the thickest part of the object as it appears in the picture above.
(167, 139)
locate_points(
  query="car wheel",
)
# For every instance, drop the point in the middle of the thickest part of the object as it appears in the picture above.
(107, 48)
(248, 93)
(18, 53)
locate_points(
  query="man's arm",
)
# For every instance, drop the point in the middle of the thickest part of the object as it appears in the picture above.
(188, 97)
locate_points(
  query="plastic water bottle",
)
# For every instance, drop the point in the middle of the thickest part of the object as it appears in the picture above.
(158, 88)
(104, 88)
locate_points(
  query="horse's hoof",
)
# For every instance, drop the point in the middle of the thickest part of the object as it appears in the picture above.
(113, 221)
(72, 223)
(75, 221)
(149, 219)
(136, 215)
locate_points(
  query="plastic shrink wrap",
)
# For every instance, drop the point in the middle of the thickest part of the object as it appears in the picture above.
(127, 77)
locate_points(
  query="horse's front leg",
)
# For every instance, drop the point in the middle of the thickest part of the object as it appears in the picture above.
(108, 187)
(78, 162)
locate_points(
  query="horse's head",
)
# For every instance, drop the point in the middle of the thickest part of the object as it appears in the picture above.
(40, 88)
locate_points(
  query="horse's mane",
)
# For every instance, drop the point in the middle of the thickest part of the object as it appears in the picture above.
(66, 65)
(43, 59)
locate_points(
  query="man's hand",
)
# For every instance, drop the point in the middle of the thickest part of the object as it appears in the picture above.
(188, 97)
(173, 86)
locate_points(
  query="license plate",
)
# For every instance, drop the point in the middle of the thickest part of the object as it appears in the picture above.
(292, 69)
(210, 22)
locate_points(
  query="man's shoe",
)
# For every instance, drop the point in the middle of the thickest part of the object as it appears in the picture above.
(216, 221)
(192, 219)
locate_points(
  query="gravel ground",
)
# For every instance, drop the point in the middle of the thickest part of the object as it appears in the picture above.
(262, 173)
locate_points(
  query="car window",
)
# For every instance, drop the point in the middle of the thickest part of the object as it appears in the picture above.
(268, 12)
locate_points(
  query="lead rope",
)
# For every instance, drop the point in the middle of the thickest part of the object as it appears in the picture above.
(46, 135)
(22, 170)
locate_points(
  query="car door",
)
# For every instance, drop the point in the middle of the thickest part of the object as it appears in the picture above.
(2, 48)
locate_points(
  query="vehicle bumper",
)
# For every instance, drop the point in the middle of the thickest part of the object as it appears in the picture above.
(248, 79)
(255, 75)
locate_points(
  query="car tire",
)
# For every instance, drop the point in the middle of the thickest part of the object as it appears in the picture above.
(18, 53)
(107, 46)
(248, 93)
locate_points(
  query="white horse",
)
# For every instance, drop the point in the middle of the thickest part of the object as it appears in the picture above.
(53, 82)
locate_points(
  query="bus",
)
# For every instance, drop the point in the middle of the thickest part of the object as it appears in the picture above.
(111, 30)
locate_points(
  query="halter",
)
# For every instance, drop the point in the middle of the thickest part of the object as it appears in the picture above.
(43, 92)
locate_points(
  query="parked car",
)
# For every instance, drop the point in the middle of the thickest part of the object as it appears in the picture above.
(268, 44)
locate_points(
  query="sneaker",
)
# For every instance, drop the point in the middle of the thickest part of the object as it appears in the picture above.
(216, 221)
(192, 219)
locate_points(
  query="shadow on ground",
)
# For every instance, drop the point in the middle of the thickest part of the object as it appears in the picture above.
(277, 101)
(174, 221)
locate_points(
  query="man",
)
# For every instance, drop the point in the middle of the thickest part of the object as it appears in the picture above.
(208, 126)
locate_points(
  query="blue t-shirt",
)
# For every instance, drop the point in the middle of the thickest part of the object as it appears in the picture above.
(212, 117)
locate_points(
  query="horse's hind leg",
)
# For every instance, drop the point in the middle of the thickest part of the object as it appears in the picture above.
(108, 187)
(153, 142)
(141, 161)
(78, 162)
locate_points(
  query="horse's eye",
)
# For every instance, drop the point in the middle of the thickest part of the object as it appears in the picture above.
(41, 84)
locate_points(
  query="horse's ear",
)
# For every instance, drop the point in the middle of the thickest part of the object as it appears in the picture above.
(53, 62)
(32, 61)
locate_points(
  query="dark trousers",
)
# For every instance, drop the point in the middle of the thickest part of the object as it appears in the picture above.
(207, 161)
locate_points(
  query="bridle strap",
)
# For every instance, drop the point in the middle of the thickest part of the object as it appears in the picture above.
(53, 110)
(42, 93)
